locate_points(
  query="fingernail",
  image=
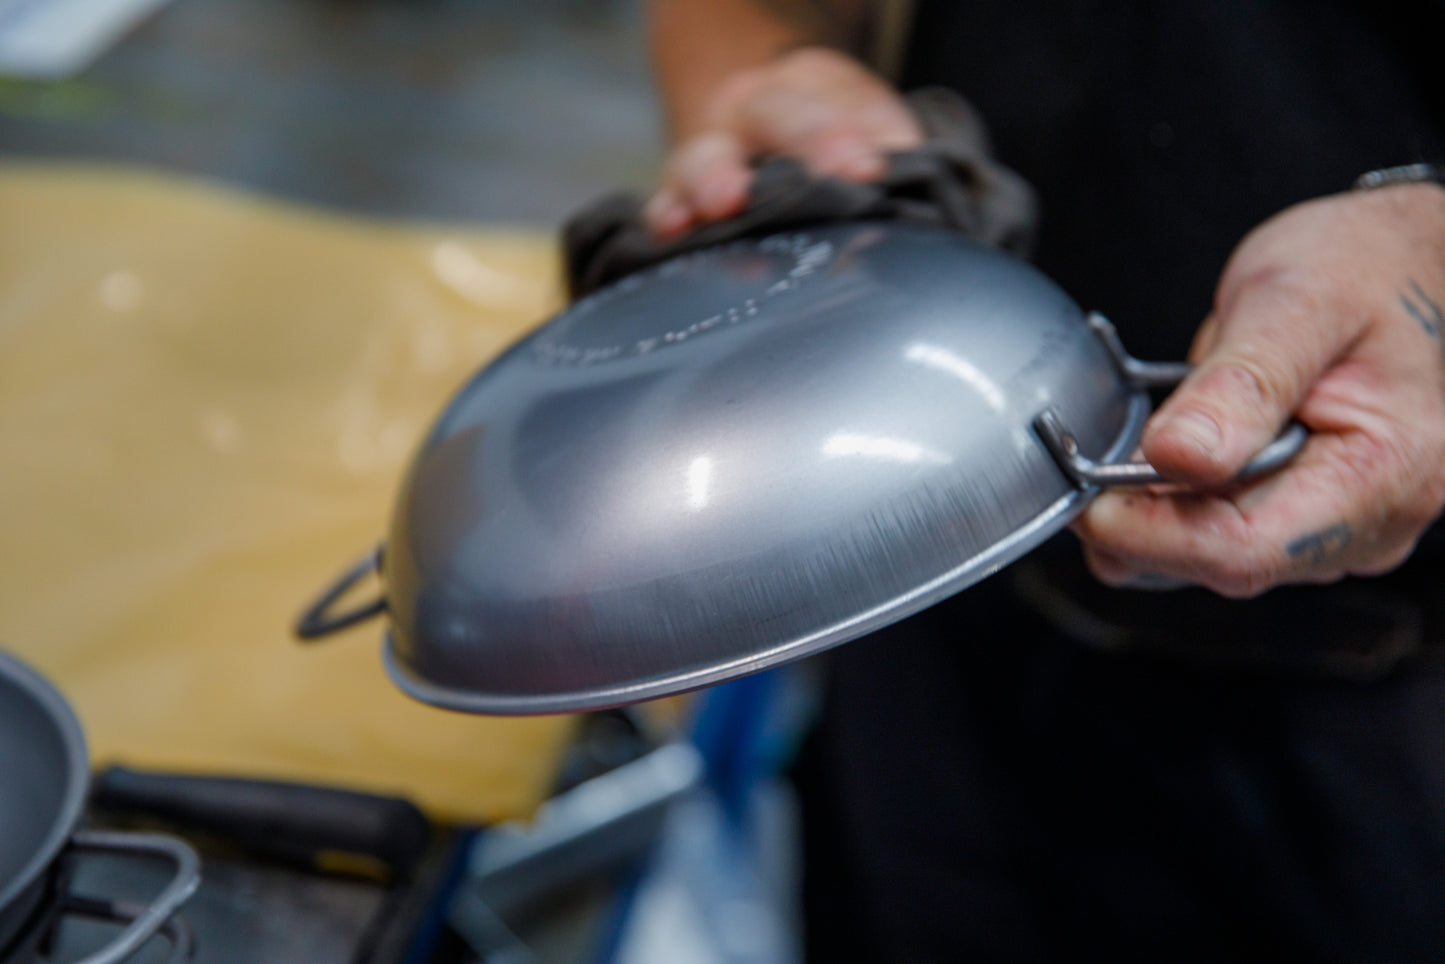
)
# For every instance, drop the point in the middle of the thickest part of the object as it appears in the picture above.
(1198, 430)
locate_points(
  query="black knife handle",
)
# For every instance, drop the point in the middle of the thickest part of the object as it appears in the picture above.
(319, 826)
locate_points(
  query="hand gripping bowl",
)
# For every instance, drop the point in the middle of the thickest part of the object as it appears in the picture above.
(43, 782)
(743, 456)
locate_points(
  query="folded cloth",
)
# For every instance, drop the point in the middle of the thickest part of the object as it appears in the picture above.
(951, 181)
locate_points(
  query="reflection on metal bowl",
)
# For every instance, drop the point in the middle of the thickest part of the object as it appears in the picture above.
(744, 456)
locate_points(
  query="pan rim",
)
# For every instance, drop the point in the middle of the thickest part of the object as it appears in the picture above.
(30, 684)
(1049, 520)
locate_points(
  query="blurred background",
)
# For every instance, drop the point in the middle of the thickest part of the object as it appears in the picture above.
(498, 111)
(247, 249)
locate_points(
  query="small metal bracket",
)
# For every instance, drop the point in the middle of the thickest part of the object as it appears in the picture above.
(1139, 374)
(319, 620)
(1084, 471)
(1423, 173)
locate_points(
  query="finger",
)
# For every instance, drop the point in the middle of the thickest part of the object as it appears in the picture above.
(839, 119)
(1204, 339)
(708, 177)
(842, 152)
(1119, 573)
(666, 214)
(1313, 522)
(1106, 567)
(829, 141)
(1270, 344)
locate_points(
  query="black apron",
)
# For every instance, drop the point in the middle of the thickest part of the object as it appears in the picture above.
(1042, 769)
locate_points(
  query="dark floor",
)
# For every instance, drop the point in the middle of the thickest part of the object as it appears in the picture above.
(510, 111)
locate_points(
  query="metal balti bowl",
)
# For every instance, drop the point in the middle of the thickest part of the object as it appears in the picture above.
(741, 457)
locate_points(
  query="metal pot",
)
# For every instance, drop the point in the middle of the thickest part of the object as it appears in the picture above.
(43, 786)
(744, 456)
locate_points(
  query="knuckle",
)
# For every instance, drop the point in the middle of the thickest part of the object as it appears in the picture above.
(1234, 565)
(1106, 567)
(1381, 479)
(1354, 476)
(1301, 292)
(1275, 323)
(1249, 379)
(1241, 578)
(1295, 292)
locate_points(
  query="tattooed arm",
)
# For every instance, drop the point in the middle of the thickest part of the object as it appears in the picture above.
(1332, 312)
(741, 77)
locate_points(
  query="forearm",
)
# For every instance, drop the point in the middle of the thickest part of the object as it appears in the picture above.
(698, 44)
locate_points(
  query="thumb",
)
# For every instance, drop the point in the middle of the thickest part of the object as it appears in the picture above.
(1275, 340)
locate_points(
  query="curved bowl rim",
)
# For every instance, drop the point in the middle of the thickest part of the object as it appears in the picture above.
(1046, 523)
(31, 684)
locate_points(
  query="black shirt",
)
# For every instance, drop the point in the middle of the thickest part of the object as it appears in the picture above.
(980, 786)
(1159, 132)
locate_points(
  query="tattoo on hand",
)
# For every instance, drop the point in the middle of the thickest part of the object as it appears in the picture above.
(1423, 309)
(1316, 547)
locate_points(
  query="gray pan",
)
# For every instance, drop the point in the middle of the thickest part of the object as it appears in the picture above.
(744, 456)
(43, 785)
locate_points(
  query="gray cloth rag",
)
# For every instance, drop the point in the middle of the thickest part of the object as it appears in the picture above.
(951, 181)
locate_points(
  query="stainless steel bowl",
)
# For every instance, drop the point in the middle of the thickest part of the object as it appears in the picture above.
(741, 457)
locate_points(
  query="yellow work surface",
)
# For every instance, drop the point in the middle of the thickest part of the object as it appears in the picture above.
(206, 403)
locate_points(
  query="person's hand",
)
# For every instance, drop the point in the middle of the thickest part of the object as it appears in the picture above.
(814, 104)
(1330, 312)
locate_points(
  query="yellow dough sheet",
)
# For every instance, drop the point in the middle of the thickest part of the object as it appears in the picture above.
(206, 403)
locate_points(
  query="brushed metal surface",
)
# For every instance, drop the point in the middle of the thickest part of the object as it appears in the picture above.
(740, 457)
